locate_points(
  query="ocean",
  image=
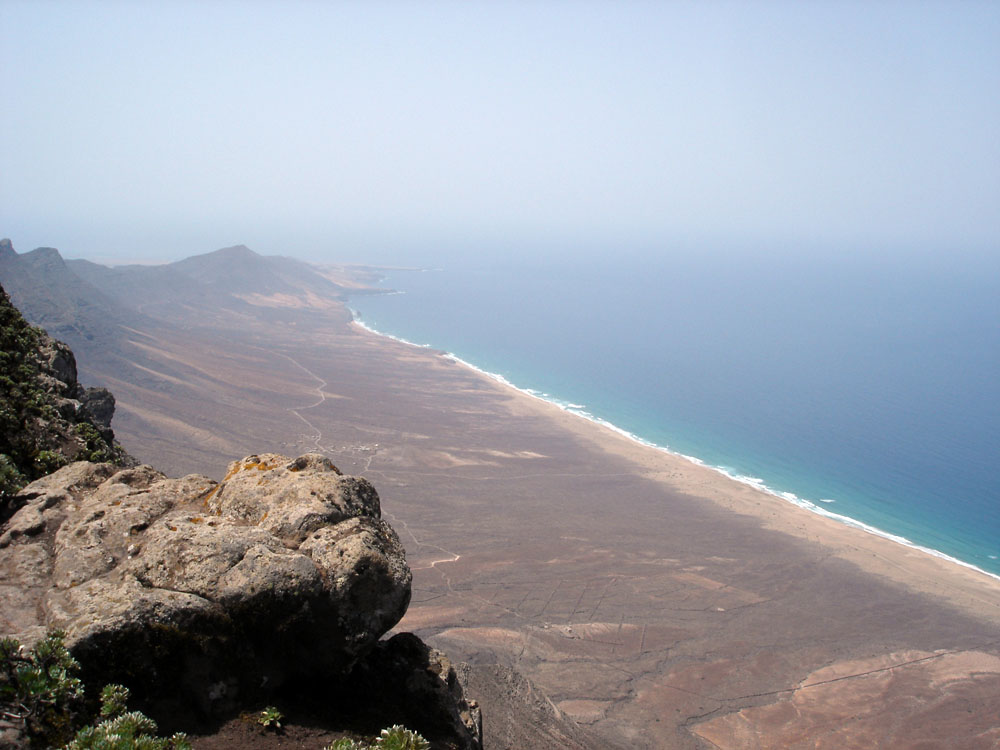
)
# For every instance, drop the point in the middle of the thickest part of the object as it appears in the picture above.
(862, 389)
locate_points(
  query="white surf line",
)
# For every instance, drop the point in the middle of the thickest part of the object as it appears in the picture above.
(759, 485)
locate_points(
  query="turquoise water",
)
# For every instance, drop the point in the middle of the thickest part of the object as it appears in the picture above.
(865, 390)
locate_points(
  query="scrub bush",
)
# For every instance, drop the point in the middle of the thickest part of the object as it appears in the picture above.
(39, 689)
(41, 694)
(124, 730)
(392, 738)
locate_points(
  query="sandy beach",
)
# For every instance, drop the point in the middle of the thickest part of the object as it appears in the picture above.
(970, 589)
(655, 602)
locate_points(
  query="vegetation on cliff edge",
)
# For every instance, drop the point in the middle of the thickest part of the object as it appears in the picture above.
(36, 436)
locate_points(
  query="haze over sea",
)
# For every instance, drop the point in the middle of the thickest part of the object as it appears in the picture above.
(401, 133)
(864, 388)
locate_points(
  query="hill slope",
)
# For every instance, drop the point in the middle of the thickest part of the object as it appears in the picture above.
(241, 272)
(51, 295)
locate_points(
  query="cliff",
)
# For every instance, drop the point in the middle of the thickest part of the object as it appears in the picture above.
(47, 418)
(205, 598)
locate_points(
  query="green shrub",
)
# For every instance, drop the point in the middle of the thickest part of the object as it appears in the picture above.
(270, 718)
(392, 738)
(39, 689)
(400, 738)
(96, 448)
(40, 692)
(114, 700)
(11, 480)
(124, 730)
(346, 743)
(47, 461)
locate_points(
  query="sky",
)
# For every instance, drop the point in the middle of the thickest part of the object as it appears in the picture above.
(395, 132)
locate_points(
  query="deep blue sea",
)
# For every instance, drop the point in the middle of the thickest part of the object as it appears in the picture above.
(867, 389)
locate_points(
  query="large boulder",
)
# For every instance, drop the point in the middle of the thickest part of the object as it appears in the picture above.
(188, 589)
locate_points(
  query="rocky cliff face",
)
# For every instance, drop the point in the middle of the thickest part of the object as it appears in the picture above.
(46, 417)
(204, 596)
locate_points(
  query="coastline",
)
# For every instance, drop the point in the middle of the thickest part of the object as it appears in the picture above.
(875, 550)
(649, 599)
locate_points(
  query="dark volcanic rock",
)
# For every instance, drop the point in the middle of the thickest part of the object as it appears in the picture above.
(100, 405)
(423, 686)
(197, 594)
(46, 417)
(60, 363)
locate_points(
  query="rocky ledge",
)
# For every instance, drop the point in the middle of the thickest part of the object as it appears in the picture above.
(47, 418)
(204, 596)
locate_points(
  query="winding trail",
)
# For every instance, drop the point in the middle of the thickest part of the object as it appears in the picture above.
(317, 436)
(322, 398)
(454, 556)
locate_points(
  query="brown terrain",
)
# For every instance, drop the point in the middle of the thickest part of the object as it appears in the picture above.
(649, 602)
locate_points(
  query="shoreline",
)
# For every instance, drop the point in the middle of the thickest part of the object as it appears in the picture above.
(737, 485)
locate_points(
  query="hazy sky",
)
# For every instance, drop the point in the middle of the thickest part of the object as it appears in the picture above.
(386, 131)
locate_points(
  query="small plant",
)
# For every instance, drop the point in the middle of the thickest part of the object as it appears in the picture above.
(47, 461)
(11, 480)
(39, 689)
(114, 700)
(346, 743)
(392, 738)
(270, 718)
(124, 730)
(400, 738)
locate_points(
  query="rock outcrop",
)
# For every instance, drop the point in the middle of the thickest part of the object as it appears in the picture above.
(423, 685)
(47, 418)
(211, 591)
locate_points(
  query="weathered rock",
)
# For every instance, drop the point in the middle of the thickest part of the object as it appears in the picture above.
(422, 683)
(48, 419)
(60, 363)
(188, 587)
(100, 404)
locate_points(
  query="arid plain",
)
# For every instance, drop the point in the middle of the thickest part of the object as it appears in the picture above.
(652, 602)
